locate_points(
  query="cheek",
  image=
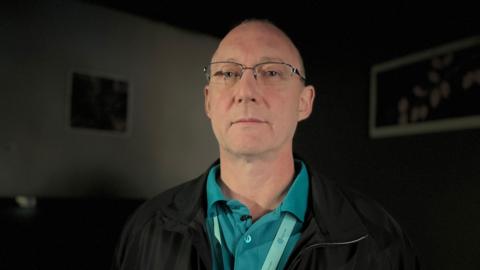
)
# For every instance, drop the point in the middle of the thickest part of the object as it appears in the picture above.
(219, 102)
(288, 106)
(284, 112)
(218, 112)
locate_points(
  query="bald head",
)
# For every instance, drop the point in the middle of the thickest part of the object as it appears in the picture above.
(254, 41)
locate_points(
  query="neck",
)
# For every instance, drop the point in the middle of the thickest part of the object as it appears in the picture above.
(258, 183)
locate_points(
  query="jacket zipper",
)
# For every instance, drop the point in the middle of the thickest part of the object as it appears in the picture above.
(317, 245)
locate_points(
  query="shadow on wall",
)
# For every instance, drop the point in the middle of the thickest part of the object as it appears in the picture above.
(91, 183)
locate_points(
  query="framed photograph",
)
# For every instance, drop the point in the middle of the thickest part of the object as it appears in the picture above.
(431, 91)
(98, 102)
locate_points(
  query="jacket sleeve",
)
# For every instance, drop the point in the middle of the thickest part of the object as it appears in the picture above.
(126, 246)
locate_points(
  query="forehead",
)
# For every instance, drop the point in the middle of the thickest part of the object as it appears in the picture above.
(255, 42)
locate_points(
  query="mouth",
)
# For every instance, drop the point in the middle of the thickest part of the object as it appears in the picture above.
(248, 121)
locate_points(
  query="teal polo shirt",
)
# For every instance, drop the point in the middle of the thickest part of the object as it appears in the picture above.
(244, 245)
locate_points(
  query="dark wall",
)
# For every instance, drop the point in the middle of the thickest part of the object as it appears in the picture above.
(428, 182)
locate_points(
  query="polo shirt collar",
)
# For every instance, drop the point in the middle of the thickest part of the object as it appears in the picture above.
(295, 202)
(214, 192)
(296, 199)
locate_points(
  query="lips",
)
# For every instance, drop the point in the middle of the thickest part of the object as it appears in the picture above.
(249, 120)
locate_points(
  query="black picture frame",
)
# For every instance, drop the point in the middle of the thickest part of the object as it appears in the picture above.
(99, 103)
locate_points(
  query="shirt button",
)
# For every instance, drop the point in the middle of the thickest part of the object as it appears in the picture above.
(248, 239)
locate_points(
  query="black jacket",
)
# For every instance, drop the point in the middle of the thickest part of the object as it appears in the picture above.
(343, 230)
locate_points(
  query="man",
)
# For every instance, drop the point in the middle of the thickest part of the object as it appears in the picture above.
(259, 206)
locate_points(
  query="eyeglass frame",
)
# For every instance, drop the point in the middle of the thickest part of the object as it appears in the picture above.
(244, 67)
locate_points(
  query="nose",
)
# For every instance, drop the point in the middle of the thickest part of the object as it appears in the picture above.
(247, 87)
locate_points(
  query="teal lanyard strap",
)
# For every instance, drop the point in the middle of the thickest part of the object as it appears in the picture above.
(279, 243)
(216, 230)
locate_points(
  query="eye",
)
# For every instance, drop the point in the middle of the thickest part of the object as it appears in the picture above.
(218, 74)
(225, 74)
(228, 74)
(271, 73)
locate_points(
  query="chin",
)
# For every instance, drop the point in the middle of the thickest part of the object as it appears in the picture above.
(241, 149)
(248, 150)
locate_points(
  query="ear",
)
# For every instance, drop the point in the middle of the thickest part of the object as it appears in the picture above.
(305, 102)
(207, 101)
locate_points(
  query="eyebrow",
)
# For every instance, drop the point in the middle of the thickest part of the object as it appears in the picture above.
(274, 59)
(262, 59)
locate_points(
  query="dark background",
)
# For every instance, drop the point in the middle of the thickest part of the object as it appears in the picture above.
(428, 182)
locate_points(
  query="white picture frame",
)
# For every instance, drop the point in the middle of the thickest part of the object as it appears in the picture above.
(431, 91)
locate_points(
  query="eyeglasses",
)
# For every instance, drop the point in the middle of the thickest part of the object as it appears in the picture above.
(227, 73)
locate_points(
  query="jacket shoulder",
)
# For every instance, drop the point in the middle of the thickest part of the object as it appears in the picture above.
(389, 237)
(172, 202)
(157, 221)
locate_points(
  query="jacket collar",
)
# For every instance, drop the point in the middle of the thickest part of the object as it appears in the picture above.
(334, 215)
(187, 204)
